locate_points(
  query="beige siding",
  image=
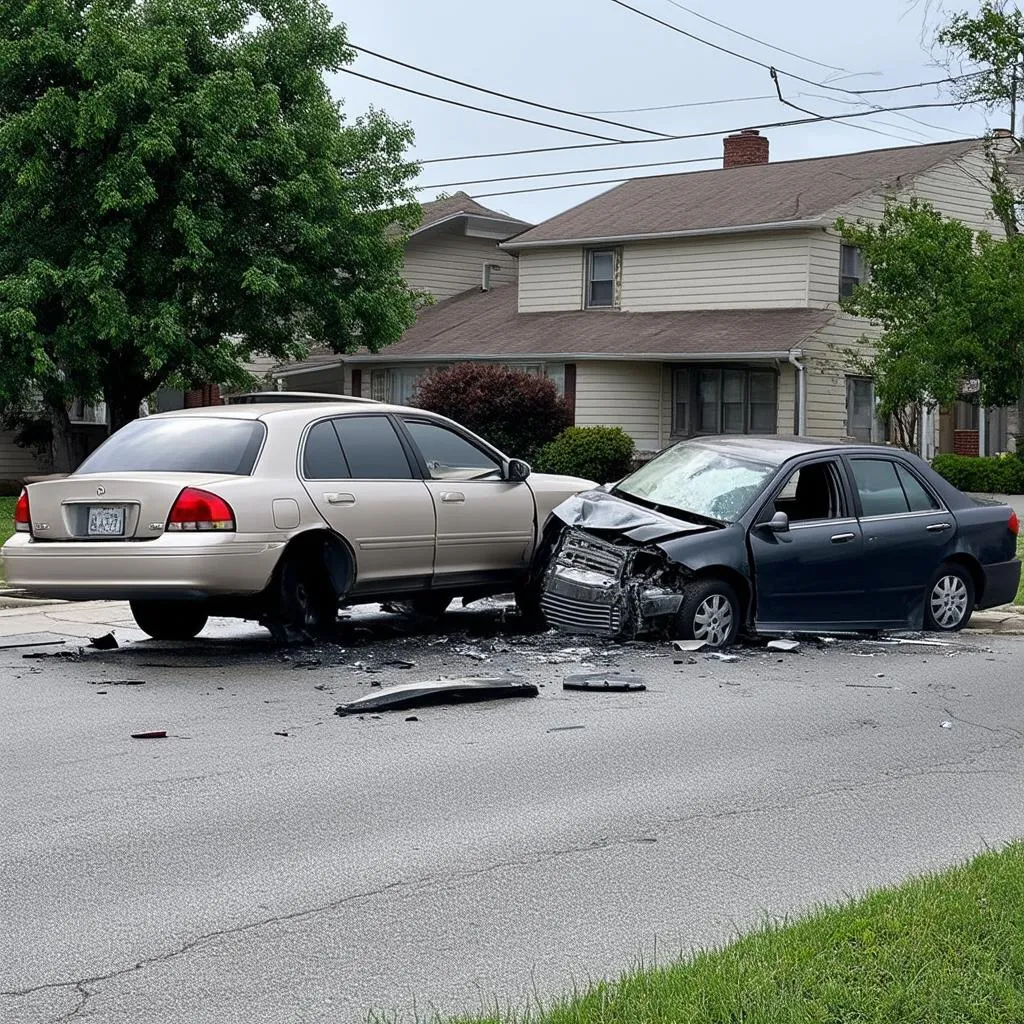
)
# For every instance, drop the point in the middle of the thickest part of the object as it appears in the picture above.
(786, 423)
(627, 395)
(824, 269)
(446, 264)
(756, 271)
(958, 188)
(827, 369)
(16, 463)
(550, 280)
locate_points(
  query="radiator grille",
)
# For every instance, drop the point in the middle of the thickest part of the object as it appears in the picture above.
(576, 616)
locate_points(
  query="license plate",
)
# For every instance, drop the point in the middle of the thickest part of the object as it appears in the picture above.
(106, 522)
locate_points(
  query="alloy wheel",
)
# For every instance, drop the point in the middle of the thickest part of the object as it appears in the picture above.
(712, 621)
(949, 601)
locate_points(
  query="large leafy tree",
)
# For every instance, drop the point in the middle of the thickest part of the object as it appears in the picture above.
(951, 308)
(178, 191)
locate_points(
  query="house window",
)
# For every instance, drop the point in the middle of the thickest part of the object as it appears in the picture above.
(724, 400)
(599, 277)
(862, 420)
(851, 270)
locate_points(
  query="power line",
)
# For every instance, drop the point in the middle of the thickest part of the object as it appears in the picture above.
(680, 138)
(906, 117)
(494, 113)
(552, 188)
(561, 174)
(754, 39)
(683, 106)
(501, 95)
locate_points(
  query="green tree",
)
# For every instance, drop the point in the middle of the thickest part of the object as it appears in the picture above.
(178, 191)
(950, 305)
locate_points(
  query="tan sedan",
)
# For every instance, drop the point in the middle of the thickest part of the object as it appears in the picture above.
(283, 512)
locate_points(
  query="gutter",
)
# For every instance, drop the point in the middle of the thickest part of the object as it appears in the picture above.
(740, 229)
(571, 357)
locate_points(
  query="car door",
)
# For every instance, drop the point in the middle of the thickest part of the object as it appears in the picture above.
(367, 487)
(907, 535)
(485, 524)
(808, 576)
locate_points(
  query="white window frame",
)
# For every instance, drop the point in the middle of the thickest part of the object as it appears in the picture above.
(856, 279)
(588, 271)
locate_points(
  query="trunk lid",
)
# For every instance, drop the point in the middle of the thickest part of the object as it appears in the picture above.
(113, 506)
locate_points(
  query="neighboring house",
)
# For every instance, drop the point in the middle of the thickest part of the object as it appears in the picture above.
(697, 303)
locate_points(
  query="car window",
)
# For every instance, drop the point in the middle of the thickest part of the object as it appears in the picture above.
(322, 458)
(880, 490)
(813, 492)
(372, 448)
(448, 455)
(917, 497)
(180, 444)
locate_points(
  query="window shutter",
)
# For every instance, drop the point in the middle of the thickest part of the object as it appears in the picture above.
(357, 383)
(570, 388)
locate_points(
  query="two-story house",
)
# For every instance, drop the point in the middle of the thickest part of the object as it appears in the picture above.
(699, 303)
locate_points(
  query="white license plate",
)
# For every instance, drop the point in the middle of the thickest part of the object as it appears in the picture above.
(105, 521)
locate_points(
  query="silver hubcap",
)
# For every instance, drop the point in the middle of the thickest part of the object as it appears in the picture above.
(712, 622)
(949, 601)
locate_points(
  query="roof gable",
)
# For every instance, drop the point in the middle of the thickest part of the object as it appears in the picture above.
(753, 195)
(460, 205)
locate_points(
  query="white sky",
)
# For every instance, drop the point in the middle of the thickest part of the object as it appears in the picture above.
(591, 55)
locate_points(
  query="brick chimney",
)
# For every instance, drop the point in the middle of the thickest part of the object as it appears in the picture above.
(746, 147)
(1003, 133)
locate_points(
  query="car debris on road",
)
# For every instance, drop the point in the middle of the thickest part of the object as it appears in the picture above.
(445, 691)
(603, 682)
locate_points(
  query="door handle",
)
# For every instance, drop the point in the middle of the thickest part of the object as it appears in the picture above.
(340, 499)
(453, 497)
(938, 527)
(842, 538)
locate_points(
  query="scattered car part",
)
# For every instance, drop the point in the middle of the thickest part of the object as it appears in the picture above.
(154, 734)
(610, 682)
(445, 691)
(107, 642)
(689, 645)
(783, 645)
(716, 656)
(25, 640)
(118, 682)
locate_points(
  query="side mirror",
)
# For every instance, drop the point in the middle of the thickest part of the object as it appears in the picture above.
(779, 523)
(516, 471)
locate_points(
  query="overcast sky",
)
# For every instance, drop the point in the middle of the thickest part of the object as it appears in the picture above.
(594, 56)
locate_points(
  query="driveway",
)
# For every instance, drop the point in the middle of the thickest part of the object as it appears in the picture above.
(269, 861)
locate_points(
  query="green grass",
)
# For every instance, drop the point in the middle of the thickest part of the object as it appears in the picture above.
(942, 949)
(6, 524)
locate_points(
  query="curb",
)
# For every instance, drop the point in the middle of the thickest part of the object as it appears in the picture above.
(7, 603)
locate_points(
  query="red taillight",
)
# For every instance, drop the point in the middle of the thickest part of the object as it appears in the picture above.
(200, 510)
(1014, 524)
(22, 516)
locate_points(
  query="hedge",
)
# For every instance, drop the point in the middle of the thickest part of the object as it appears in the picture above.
(602, 454)
(1000, 474)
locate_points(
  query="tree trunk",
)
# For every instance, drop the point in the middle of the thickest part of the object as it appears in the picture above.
(121, 409)
(62, 452)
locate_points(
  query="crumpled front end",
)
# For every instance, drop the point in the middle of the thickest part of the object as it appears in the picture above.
(597, 587)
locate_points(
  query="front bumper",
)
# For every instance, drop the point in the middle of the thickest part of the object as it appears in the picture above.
(589, 589)
(1001, 583)
(172, 566)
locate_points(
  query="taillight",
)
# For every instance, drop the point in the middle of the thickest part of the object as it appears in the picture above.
(200, 510)
(1014, 524)
(22, 516)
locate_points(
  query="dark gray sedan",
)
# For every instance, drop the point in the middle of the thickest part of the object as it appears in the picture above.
(775, 535)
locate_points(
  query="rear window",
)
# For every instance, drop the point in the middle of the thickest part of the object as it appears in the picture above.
(180, 444)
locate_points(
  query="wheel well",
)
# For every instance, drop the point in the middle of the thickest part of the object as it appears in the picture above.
(972, 566)
(735, 580)
(330, 550)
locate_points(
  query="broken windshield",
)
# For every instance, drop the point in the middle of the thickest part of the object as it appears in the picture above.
(698, 481)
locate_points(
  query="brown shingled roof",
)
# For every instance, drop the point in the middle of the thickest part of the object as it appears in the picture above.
(477, 324)
(770, 193)
(459, 203)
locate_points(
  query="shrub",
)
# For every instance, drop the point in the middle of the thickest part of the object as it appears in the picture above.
(1003, 474)
(517, 412)
(595, 453)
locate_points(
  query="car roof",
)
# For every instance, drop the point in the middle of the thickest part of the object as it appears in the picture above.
(264, 410)
(776, 450)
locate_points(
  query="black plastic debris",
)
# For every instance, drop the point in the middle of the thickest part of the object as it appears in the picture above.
(605, 682)
(280, 734)
(10, 643)
(153, 734)
(107, 642)
(445, 691)
(118, 682)
(566, 728)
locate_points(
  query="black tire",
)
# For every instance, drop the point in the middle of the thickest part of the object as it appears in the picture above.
(170, 620)
(528, 603)
(710, 612)
(949, 599)
(305, 598)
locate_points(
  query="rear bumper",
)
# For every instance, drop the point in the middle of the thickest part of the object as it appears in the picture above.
(1001, 583)
(173, 566)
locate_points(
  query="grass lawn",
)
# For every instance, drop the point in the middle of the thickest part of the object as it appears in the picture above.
(6, 524)
(940, 949)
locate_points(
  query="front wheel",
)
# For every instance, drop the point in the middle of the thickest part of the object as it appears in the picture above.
(710, 612)
(949, 603)
(169, 620)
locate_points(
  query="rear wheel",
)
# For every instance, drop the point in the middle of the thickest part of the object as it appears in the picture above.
(169, 620)
(710, 612)
(305, 598)
(949, 602)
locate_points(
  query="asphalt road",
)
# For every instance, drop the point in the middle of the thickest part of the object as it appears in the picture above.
(496, 852)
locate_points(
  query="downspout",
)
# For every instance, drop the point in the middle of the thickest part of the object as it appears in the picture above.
(801, 394)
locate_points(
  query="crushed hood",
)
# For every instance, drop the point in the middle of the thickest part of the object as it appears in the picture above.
(598, 510)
